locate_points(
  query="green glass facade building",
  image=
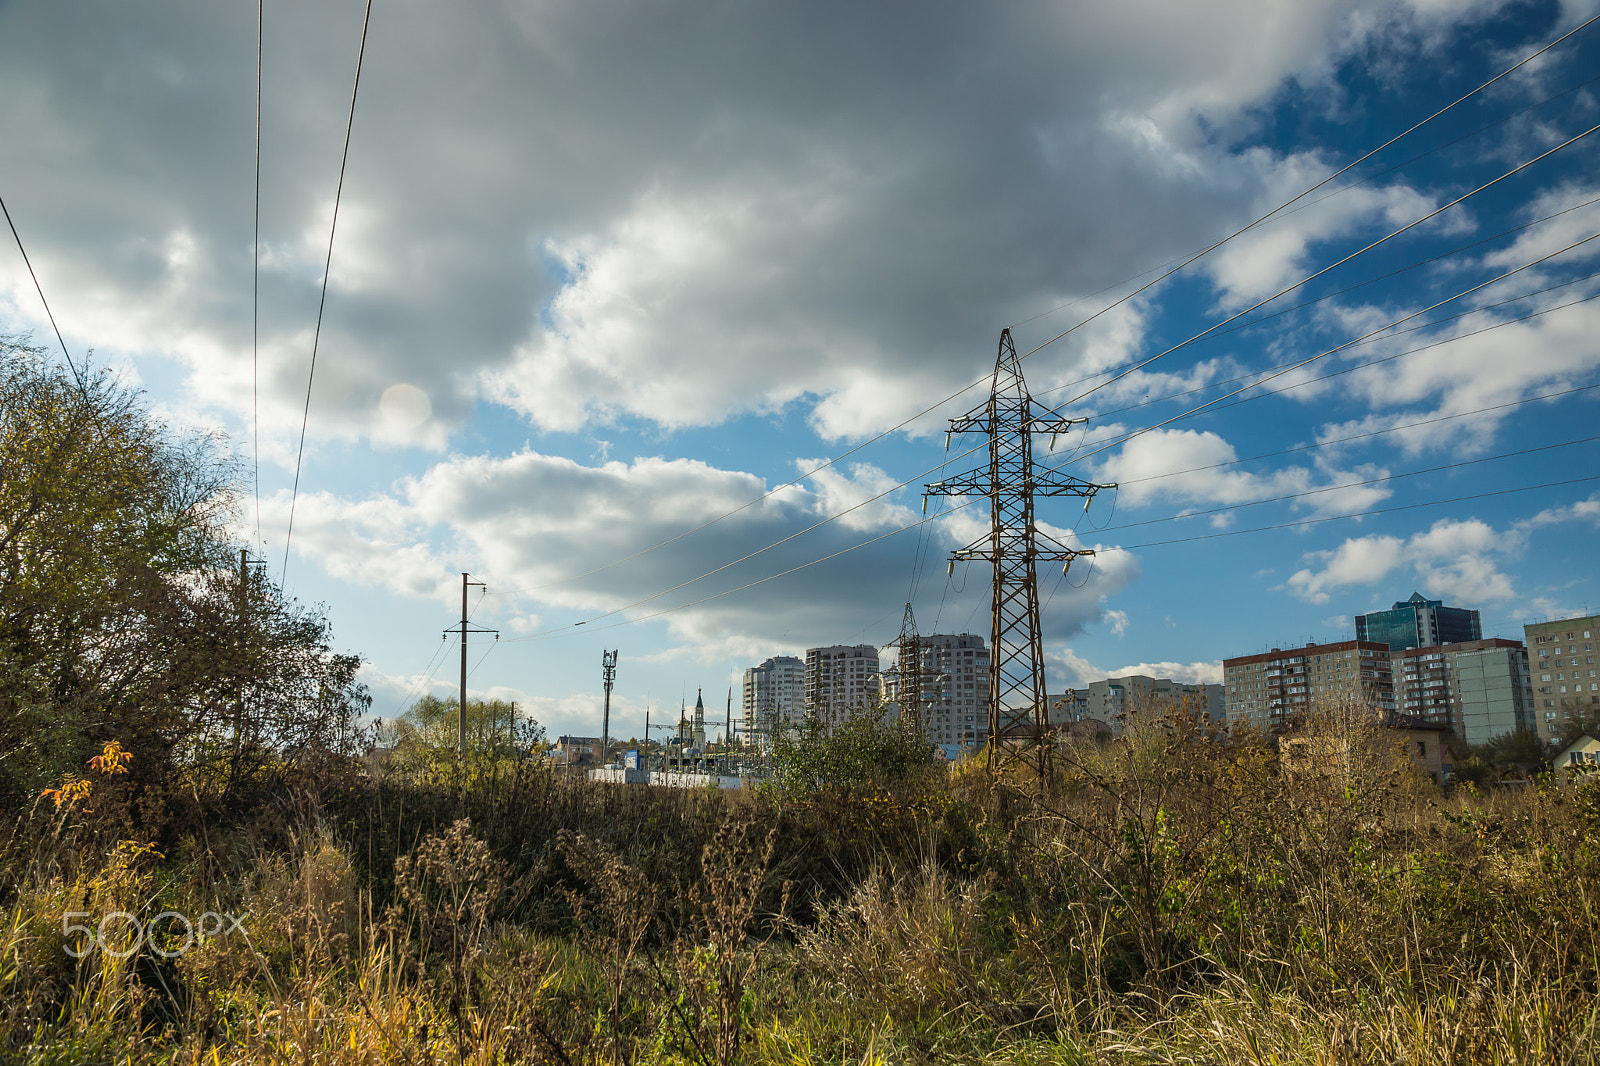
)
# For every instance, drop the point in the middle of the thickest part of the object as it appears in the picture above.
(1419, 623)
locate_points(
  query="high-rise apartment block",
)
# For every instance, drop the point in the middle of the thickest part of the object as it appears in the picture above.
(1561, 656)
(955, 690)
(1109, 700)
(1265, 690)
(774, 695)
(841, 680)
(1478, 688)
(1068, 707)
(1419, 623)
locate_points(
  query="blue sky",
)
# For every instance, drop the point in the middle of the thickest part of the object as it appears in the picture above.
(605, 274)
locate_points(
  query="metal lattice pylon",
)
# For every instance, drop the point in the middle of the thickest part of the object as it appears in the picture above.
(905, 676)
(1018, 717)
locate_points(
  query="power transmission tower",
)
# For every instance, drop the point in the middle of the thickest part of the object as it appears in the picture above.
(608, 672)
(1018, 716)
(907, 672)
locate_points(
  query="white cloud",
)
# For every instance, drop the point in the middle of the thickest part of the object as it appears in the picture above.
(1455, 559)
(1078, 671)
(1187, 467)
(593, 226)
(1355, 562)
(555, 539)
(1267, 259)
(380, 542)
(1586, 510)
(860, 496)
(1452, 559)
(1574, 223)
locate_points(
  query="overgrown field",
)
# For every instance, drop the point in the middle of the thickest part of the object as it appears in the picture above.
(201, 862)
(1171, 898)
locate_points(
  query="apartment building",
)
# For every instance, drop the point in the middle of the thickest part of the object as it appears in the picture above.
(774, 695)
(1068, 707)
(1419, 623)
(840, 679)
(1263, 691)
(1109, 700)
(955, 690)
(1478, 688)
(1561, 656)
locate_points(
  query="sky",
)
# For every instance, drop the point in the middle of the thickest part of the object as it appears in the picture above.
(652, 317)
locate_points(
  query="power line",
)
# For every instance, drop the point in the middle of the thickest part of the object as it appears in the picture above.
(1361, 514)
(1342, 170)
(774, 544)
(1311, 359)
(83, 386)
(1253, 323)
(1369, 363)
(1332, 266)
(428, 671)
(1413, 351)
(1124, 439)
(1433, 323)
(1168, 273)
(322, 303)
(746, 506)
(1363, 436)
(568, 630)
(1353, 484)
(493, 644)
(1337, 192)
(1447, 144)
(565, 630)
(255, 289)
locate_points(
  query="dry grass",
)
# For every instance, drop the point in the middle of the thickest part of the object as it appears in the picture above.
(1177, 901)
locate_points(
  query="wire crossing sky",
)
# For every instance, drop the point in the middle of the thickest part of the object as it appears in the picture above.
(652, 319)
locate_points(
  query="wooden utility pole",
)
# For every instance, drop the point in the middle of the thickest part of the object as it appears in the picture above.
(461, 708)
(245, 563)
(244, 636)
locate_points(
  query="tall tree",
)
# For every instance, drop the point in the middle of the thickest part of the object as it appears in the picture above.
(123, 612)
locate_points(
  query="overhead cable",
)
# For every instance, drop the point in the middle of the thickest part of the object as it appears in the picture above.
(778, 543)
(1352, 368)
(1312, 277)
(1353, 484)
(1254, 322)
(322, 302)
(83, 386)
(1342, 170)
(1166, 274)
(1111, 444)
(1361, 436)
(1331, 351)
(255, 291)
(568, 630)
(1362, 514)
